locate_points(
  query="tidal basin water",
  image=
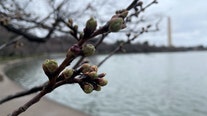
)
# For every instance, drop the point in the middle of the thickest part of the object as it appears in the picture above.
(155, 84)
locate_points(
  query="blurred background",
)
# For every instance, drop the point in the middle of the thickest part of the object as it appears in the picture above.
(159, 73)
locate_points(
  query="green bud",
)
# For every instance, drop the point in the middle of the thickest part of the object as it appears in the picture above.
(67, 73)
(91, 25)
(98, 88)
(87, 88)
(115, 24)
(102, 81)
(85, 68)
(76, 27)
(94, 68)
(49, 66)
(92, 75)
(88, 49)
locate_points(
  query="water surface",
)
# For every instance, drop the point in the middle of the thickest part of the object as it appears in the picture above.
(157, 84)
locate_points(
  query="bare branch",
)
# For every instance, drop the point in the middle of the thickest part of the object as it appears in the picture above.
(21, 94)
(27, 35)
(132, 5)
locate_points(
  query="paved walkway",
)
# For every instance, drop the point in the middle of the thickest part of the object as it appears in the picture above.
(45, 107)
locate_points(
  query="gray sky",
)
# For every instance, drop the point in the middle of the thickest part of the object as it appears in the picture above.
(189, 22)
(189, 19)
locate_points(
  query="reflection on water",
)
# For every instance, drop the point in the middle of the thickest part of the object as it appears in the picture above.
(166, 84)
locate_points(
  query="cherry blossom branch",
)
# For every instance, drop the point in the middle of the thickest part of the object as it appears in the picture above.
(103, 31)
(88, 80)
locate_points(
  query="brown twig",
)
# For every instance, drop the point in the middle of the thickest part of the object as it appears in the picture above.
(28, 104)
(21, 94)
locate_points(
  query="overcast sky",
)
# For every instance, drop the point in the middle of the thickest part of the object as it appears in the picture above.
(189, 22)
(189, 19)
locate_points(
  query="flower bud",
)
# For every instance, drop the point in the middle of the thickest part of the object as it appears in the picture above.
(73, 51)
(97, 88)
(88, 49)
(115, 24)
(102, 81)
(76, 27)
(67, 73)
(85, 68)
(87, 87)
(91, 25)
(94, 68)
(92, 75)
(50, 66)
(102, 75)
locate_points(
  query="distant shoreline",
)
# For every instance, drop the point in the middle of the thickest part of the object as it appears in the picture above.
(57, 45)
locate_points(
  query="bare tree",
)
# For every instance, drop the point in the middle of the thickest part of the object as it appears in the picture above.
(17, 17)
(14, 18)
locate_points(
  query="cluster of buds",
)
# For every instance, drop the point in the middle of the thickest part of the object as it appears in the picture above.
(117, 21)
(86, 50)
(92, 80)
